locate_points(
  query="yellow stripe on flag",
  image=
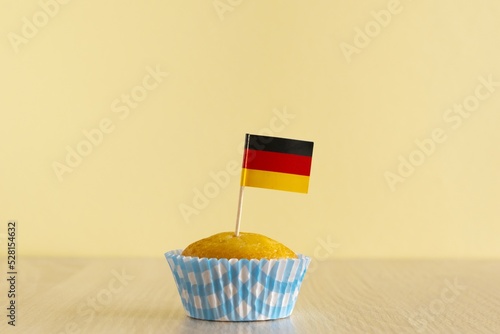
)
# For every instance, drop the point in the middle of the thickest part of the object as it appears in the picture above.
(274, 180)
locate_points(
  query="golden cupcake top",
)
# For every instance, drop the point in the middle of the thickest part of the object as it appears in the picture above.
(246, 245)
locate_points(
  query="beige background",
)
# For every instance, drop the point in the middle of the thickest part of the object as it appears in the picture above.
(293, 69)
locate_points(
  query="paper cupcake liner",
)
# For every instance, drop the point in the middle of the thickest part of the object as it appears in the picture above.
(237, 290)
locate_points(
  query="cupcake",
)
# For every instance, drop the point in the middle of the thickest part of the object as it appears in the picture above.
(247, 277)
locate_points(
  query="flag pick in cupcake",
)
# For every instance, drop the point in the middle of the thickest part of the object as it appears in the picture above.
(274, 163)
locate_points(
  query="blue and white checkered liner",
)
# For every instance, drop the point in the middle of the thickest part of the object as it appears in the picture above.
(237, 290)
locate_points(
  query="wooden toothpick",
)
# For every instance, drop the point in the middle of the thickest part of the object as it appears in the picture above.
(238, 217)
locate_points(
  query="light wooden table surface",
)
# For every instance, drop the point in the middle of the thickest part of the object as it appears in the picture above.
(350, 296)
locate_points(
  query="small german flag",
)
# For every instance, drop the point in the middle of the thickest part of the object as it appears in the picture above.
(277, 163)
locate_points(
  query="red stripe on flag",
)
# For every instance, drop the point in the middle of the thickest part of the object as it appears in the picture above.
(277, 162)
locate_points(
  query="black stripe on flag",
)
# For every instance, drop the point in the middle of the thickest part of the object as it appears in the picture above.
(280, 145)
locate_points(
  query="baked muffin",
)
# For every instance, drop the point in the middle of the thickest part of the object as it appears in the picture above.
(237, 278)
(246, 245)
